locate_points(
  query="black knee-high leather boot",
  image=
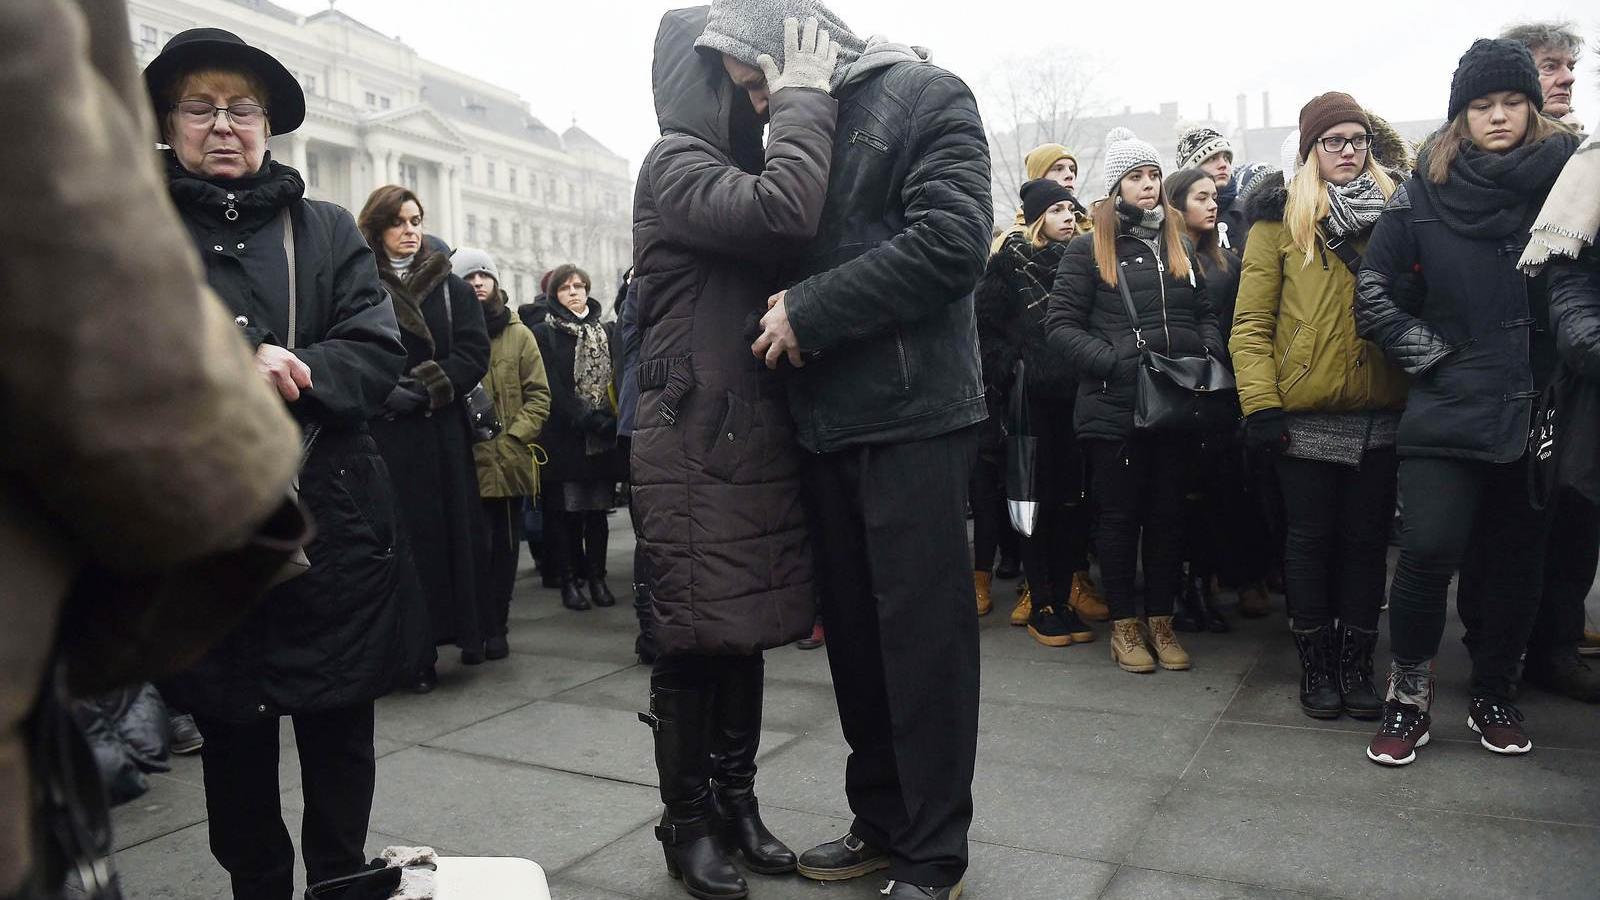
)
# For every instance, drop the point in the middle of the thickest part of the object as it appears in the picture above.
(735, 737)
(678, 716)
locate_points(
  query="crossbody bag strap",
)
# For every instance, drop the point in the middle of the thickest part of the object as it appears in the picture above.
(309, 437)
(1127, 303)
(1343, 249)
(288, 253)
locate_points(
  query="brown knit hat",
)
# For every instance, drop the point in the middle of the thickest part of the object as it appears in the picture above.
(1323, 113)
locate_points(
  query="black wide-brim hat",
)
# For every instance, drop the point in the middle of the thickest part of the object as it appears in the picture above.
(201, 48)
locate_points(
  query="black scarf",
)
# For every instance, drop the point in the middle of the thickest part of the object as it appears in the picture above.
(257, 198)
(496, 314)
(1492, 195)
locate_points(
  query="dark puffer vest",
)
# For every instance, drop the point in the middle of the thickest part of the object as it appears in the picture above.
(716, 467)
(1087, 323)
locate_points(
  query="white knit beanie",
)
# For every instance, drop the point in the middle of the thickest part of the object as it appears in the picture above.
(1124, 152)
(1288, 154)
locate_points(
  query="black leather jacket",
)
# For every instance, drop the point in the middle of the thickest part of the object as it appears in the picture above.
(883, 300)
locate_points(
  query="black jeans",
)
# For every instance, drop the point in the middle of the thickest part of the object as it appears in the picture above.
(1569, 568)
(1138, 485)
(1059, 545)
(576, 541)
(1455, 510)
(503, 515)
(337, 772)
(1225, 524)
(1336, 554)
(889, 527)
(991, 524)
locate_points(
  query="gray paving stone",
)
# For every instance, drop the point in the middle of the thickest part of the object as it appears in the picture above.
(1006, 873)
(482, 807)
(793, 664)
(1548, 785)
(170, 805)
(562, 889)
(604, 635)
(798, 707)
(1201, 693)
(1355, 849)
(1144, 884)
(467, 695)
(1087, 741)
(586, 740)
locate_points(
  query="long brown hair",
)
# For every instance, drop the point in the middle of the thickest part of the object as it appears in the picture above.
(379, 214)
(1207, 245)
(1445, 145)
(1106, 229)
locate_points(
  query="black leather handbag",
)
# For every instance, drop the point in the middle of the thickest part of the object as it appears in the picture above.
(481, 417)
(1177, 393)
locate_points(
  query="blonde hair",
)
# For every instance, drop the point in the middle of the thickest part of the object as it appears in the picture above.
(1445, 145)
(1106, 231)
(1307, 205)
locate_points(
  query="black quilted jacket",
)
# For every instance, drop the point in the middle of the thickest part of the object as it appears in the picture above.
(1087, 324)
(1474, 334)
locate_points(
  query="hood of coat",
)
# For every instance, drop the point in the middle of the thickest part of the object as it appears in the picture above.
(1267, 199)
(694, 95)
(255, 196)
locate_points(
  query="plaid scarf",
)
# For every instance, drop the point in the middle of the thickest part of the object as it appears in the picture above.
(1352, 208)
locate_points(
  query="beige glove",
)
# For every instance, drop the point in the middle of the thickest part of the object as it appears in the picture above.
(808, 58)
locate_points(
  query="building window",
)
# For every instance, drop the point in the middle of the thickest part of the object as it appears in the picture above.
(572, 196)
(410, 177)
(468, 169)
(309, 83)
(550, 192)
(313, 170)
(516, 234)
(511, 177)
(494, 232)
(472, 228)
(372, 99)
(538, 239)
(489, 173)
(147, 37)
(383, 102)
(533, 184)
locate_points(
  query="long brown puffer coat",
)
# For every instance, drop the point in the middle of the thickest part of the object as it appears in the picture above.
(716, 467)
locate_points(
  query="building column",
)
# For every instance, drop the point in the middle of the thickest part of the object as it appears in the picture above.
(458, 215)
(297, 153)
(444, 221)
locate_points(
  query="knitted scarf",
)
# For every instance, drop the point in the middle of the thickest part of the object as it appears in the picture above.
(1144, 224)
(1488, 195)
(1571, 217)
(1354, 207)
(591, 364)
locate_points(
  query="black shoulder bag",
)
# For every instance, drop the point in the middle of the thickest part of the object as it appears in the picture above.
(1176, 393)
(478, 405)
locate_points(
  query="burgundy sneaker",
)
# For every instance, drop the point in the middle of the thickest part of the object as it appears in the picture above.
(1499, 725)
(1404, 729)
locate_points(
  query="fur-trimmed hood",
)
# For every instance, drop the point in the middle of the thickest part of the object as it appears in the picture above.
(408, 291)
(1267, 199)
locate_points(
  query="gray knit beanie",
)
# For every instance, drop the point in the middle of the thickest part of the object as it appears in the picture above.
(745, 29)
(1197, 145)
(1125, 152)
(467, 260)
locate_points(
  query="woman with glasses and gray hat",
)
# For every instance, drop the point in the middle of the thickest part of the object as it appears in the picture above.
(305, 295)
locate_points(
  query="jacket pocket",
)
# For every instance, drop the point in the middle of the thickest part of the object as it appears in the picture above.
(732, 436)
(1297, 359)
(905, 364)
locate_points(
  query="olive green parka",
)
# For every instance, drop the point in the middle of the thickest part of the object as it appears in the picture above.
(521, 393)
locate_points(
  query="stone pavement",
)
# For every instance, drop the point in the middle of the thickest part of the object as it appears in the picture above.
(1091, 783)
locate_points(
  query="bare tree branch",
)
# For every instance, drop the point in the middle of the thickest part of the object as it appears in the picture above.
(1036, 100)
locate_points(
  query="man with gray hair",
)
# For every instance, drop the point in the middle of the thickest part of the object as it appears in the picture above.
(877, 326)
(1555, 47)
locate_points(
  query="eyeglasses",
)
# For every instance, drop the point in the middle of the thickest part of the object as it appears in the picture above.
(1335, 144)
(199, 112)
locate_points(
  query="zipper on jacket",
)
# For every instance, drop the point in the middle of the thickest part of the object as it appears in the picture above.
(1285, 363)
(905, 369)
(1161, 283)
(871, 140)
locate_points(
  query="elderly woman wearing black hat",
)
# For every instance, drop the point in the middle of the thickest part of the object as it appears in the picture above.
(304, 291)
(1478, 347)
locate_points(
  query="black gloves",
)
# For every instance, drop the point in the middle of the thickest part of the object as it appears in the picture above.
(406, 398)
(1267, 431)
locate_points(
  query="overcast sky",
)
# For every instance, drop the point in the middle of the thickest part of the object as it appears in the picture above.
(590, 59)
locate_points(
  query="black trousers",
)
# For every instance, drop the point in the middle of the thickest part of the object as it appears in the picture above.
(576, 542)
(991, 524)
(1138, 485)
(1571, 556)
(1225, 524)
(1456, 510)
(1059, 545)
(241, 776)
(889, 526)
(1336, 554)
(503, 517)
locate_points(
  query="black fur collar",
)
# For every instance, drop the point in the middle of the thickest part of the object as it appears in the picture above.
(426, 274)
(1267, 199)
